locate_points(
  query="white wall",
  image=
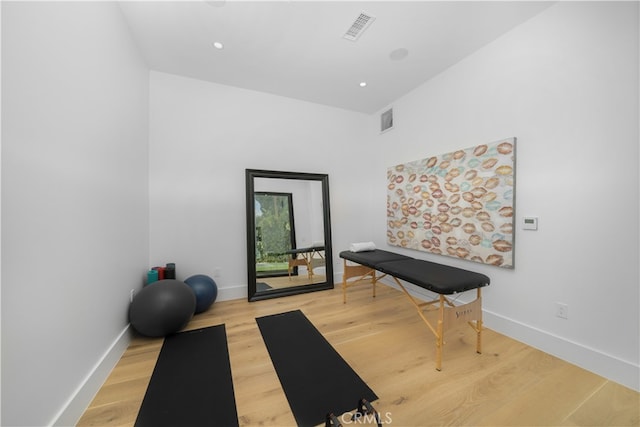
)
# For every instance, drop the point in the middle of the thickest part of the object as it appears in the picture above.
(0, 217)
(74, 201)
(204, 136)
(565, 84)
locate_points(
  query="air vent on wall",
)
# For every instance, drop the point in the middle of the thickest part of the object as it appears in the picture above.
(386, 120)
(361, 23)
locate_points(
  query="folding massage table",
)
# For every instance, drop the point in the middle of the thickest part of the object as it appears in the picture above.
(306, 257)
(441, 279)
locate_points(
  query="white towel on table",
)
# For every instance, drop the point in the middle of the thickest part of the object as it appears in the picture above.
(362, 247)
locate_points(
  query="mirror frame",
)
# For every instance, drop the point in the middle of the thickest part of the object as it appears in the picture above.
(253, 295)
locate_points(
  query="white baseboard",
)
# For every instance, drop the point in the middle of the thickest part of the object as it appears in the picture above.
(593, 360)
(71, 412)
(605, 365)
(236, 292)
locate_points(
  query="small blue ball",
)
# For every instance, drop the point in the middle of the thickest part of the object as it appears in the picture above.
(204, 289)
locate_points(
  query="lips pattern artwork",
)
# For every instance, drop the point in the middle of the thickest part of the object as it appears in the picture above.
(459, 204)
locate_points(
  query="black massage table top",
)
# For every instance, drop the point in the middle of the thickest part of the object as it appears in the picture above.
(372, 258)
(305, 250)
(439, 278)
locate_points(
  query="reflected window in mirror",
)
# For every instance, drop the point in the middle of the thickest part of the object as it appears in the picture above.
(275, 233)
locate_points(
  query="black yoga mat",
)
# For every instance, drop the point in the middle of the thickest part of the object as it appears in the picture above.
(315, 378)
(191, 383)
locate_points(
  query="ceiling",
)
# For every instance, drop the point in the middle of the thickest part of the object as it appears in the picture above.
(296, 48)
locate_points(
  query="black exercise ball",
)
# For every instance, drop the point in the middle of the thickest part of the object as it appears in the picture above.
(162, 308)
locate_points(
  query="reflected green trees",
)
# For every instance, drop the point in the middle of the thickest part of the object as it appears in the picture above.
(274, 232)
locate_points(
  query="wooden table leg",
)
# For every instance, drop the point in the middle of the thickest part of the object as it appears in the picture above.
(479, 326)
(344, 282)
(440, 334)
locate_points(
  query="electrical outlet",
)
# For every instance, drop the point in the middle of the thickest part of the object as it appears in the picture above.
(562, 310)
(216, 272)
(132, 294)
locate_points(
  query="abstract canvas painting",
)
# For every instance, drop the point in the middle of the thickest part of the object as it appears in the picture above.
(458, 204)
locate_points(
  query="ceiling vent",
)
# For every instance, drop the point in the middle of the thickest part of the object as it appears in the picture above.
(361, 23)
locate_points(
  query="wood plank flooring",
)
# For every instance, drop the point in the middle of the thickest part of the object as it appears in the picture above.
(287, 282)
(388, 345)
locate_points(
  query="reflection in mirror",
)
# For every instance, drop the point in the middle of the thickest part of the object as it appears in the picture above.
(288, 233)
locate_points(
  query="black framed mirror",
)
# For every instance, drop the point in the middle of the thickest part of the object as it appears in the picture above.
(288, 233)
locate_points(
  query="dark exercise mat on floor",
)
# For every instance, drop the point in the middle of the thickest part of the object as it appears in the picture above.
(315, 378)
(191, 384)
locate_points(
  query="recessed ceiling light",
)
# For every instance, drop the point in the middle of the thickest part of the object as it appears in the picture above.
(218, 45)
(363, 84)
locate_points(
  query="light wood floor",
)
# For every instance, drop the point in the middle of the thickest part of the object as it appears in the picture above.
(287, 282)
(388, 345)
